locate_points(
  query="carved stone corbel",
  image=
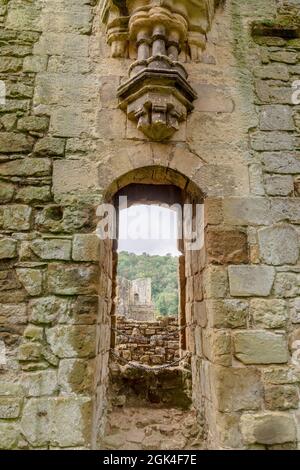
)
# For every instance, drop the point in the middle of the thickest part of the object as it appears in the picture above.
(159, 35)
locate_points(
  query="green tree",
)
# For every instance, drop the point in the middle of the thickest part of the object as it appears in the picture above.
(163, 272)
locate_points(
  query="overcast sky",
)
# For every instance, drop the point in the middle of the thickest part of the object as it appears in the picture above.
(148, 229)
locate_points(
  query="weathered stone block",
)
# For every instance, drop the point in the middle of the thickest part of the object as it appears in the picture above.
(37, 384)
(17, 50)
(68, 341)
(8, 248)
(260, 347)
(288, 57)
(217, 346)
(295, 310)
(86, 247)
(294, 342)
(68, 121)
(15, 105)
(273, 71)
(36, 421)
(272, 94)
(279, 375)
(61, 64)
(227, 313)
(6, 191)
(55, 248)
(294, 43)
(9, 283)
(276, 118)
(47, 310)
(282, 162)
(213, 211)
(297, 186)
(246, 281)
(287, 285)
(226, 246)
(268, 428)
(11, 142)
(212, 99)
(10, 389)
(68, 45)
(285, 209)
(9, 435)
(76, 217)
(281, 397)
(13, 313)
(247, 211)
(256, 179)
(50, 146)
(264, 141)
(279, 244)
(71, 421)
(237, 389)
(84, 310)
(32, 280)
(33, 194)
(33, 123)
(70, 219)
(35, 63)
(17, 217)
(17, 90)
(10, 64)
(73, 178)
(34, 333)
(228, 431)
(215, 282)
(8, 121)
(10, 407)
(30, 351)
(55, 89)
(26, 167)
(72, 279)
(269, 313)
(75, 376)
(221, 180)
(23, 17)
(74, 17)
(279, 185)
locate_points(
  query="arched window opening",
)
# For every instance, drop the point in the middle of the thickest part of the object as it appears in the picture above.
(147, 284)
(153, 346)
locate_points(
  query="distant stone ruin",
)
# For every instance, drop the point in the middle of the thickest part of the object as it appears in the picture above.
(134, 299)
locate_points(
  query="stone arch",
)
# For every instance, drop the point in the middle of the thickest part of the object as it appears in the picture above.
(172, 158)
(150, 184)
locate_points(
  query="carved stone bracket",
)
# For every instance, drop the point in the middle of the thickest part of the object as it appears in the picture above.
(158, 35)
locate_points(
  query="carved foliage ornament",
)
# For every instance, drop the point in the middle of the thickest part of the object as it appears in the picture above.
(159, 35)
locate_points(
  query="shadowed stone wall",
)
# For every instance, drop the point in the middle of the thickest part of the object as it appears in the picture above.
(64, 143)
(151, 342)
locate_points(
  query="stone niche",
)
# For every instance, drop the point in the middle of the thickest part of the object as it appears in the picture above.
(159, 35)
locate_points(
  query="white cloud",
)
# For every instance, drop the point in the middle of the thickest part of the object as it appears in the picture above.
(148, 229)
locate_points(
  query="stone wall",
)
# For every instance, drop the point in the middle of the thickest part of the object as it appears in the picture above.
(153, 343)
(49, 259)
(245, 280)
(65, 145)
